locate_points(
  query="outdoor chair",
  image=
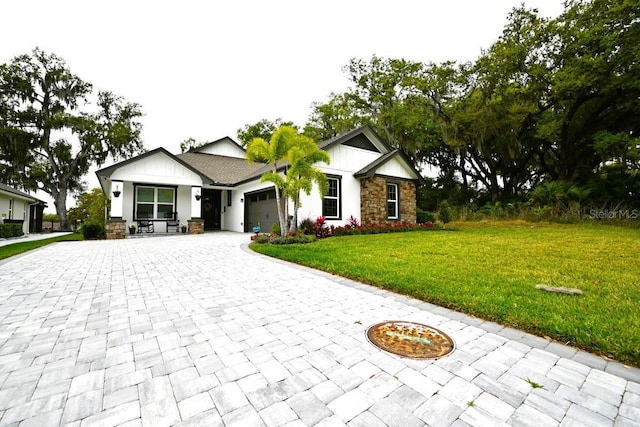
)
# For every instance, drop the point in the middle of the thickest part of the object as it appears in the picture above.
(173, 221)
(145, 224)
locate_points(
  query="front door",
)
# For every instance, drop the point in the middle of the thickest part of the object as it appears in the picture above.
(211, 205)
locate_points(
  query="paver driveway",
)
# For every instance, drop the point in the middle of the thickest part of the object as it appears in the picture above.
(196, 330)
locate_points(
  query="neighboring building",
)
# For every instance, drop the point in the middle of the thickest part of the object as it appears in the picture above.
(19, 207)
(214, 188)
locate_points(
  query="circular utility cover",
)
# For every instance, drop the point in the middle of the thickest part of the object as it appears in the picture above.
(408, 339)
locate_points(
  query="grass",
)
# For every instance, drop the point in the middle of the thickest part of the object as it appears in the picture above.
(490, 270)
(22, 247)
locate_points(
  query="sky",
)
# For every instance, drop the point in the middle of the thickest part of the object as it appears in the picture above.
(204, 69)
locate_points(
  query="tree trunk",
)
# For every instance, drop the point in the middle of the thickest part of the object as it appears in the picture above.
(283, 225)
(60, 201)
(294, 222)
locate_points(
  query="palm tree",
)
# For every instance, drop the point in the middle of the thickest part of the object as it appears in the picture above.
(274, 153)
(301, 175)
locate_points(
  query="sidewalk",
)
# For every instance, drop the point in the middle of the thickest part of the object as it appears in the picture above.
(32, 237)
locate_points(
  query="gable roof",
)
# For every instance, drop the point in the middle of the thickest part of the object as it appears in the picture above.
(370, 170)
(6, 189)
(106, 172)
(227, 171)
(210, 148)
(346, 137)
(387, 152)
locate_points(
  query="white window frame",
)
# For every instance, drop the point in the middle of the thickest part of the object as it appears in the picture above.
(395, 202)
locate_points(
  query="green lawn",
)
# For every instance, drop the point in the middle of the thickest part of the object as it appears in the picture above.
(490, 270)
(21, 247)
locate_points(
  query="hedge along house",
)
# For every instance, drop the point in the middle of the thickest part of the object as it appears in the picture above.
(17, 207)
(213, 187)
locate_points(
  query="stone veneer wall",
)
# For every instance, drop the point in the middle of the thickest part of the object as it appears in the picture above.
(408, 211)
(115, 229)
(196, 226)
(373, 201)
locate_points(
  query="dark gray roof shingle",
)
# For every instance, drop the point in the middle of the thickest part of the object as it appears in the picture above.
(12, 190)
(223, 170)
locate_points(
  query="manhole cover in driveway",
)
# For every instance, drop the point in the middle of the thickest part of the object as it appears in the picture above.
(408, 339)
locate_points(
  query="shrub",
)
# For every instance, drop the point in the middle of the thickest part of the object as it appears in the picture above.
(307, 226)
(10, 230)
(92, 231)
(275, 229)
(424, 216)
(444, 212)
(288, 240)
(382, 228)
(262, 239)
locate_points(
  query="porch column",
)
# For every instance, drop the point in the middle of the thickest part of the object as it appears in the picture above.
(196, 202)
(116, 195)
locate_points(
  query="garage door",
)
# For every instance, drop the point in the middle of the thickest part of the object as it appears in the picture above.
(260, 209)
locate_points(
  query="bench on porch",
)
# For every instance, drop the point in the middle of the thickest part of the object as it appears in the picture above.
(147, 224)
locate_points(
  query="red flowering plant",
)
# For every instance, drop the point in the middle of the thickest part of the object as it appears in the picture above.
(320, 228)
(376, 228)
(353, 222)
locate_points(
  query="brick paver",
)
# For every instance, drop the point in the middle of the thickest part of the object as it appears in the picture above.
(197, 330)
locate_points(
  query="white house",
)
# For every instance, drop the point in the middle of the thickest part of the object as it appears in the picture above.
(215, 188)
(21, 208)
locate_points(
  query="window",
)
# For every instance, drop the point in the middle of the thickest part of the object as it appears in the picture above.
(155, 202)
(331, 202)
(229, 198)
(392, 201)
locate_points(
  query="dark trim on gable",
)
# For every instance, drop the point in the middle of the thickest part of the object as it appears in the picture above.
(106, 172)
(339, 139)
(362, 142)
(370, 170)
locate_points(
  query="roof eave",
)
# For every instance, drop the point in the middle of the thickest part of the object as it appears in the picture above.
(105, 174)
(370, 170)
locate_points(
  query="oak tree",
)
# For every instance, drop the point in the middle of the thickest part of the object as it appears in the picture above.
(50, 132)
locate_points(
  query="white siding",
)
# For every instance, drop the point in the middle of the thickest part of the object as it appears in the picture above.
(4, 206)
(157, 169)
(396, 168)
(224, 147)
(348, 159)
(311, 206)
(19, 209)
(345, 161)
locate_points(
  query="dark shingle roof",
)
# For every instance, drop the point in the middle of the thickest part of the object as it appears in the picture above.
(223, 170)
(12, 190)
(370, 169)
